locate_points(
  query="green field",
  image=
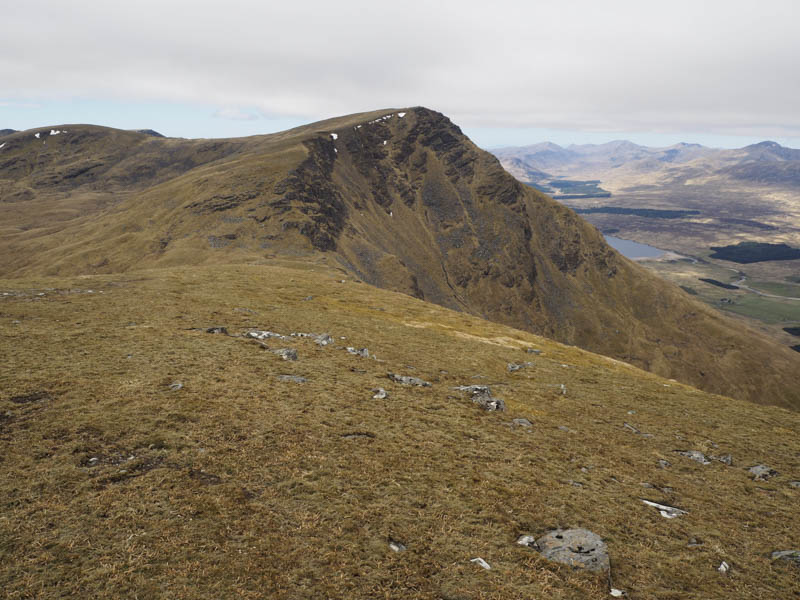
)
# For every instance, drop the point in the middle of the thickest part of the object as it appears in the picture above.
(776, 288)
(768, 310)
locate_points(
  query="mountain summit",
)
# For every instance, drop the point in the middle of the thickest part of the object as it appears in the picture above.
(399, 198)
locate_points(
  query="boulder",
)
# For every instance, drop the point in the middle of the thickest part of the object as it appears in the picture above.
(286, 353)
(761, 472)
(579, 548)
(695, 455)
(482, 396)
(323, 339)
(362, 352)
(264, 335)
(791, 556)
(512, 367)
(408, 380)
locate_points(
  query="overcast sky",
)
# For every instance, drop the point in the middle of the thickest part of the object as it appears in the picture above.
(723, 73)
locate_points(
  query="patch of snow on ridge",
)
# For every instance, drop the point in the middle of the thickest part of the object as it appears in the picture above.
(3, 144)
(54, 132)
(334, 136)
(401, 115)
(36, 135)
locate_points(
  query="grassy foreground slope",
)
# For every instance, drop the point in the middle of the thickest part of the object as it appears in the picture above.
(243, 485)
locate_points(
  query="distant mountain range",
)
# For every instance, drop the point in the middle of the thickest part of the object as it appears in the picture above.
(765, 162)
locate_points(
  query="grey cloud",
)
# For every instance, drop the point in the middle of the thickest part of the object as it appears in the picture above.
(725, 66)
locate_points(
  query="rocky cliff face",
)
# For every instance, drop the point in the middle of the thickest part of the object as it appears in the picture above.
(402, 200)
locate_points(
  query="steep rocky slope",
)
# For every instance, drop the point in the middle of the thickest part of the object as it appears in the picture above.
(399, 198)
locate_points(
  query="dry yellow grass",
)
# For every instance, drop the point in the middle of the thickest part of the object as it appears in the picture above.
(241, 485)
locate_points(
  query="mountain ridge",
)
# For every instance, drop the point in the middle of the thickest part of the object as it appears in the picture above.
(401, 199)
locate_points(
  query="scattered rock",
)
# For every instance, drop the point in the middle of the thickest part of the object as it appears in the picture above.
(396, 546)
(380, 394)
(527, 540)
(522, 422)
(533, 351)
(664, 464)
(695, 455)
(323, 339)
(482, 396)
(694, 542)
(175, 386)
(307, 298)
(362, 352)
(249, 311)
(579, 548)
(668, 512)
(631, 412)
(727, 460)
(794, 484)
(517, 366)
(358, 434)
(617, 593)
(564, 428)
(480, 562)
(217, 330)
(264, 335)
(791, 556)
(408, 380)
(631, 428)
(723, 567)
(761, 472)
(292, 378)
(286, 353)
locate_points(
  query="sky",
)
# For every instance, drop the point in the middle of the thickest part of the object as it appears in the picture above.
(720, 73)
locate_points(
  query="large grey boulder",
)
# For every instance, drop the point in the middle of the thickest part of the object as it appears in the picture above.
(579, 548)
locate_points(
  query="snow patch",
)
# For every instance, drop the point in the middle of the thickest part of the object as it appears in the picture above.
(384, 142)
(334, 136)
(54, 132)
(3, 144)
(36, 135)
(401, 115)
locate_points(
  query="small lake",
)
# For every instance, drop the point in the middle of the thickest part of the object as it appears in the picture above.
(633, 250)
